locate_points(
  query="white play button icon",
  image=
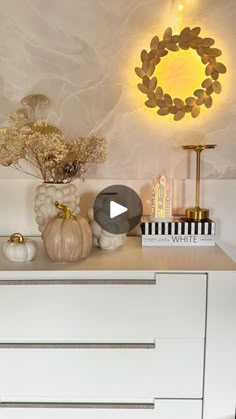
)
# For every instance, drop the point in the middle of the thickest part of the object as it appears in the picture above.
(116, 209)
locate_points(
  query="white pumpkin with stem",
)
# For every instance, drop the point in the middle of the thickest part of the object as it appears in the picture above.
(19, 249)
(67, 238)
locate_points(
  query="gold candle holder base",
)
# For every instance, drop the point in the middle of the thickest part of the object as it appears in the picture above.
(197, 214)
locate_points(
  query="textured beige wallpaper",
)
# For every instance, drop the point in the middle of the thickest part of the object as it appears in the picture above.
(81, 53)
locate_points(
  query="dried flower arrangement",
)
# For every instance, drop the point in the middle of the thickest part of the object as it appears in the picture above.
(42, 150)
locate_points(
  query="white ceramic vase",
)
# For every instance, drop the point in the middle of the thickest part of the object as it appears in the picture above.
(45, 196)
(102, 238)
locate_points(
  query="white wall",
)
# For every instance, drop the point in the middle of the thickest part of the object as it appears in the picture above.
(82, 54)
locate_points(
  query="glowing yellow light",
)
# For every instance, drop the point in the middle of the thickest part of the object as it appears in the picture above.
(180, 7)
(180, 74)
(178, 22)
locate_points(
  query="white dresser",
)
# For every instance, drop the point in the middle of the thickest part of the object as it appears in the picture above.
(130, 334)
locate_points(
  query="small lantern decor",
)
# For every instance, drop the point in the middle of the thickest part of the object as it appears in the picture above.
(67, 238)
(197, 213)
(19, 249)
(161, 199)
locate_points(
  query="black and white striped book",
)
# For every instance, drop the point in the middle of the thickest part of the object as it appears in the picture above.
(180, 226)
(150, 240)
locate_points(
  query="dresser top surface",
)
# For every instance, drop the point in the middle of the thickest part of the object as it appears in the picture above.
(131, 257)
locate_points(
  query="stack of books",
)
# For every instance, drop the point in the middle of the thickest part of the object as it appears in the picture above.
(179, 232)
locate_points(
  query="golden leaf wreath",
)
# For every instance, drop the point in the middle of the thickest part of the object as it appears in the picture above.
(188, 38)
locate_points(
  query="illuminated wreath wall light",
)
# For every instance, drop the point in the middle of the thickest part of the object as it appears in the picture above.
(156, 97)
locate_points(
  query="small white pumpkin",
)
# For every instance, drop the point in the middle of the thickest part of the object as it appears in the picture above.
(67, 238)
(19, 249)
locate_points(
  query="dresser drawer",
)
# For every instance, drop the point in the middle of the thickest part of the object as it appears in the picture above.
(172, 369)
(162, 409)
(171, 306)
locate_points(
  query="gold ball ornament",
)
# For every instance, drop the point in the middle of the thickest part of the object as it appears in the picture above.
(156, 97)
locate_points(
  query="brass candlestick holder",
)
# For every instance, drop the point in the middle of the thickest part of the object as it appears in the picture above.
(197, 213)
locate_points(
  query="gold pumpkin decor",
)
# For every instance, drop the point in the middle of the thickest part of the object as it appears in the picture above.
(156, 97)
(67, 238)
